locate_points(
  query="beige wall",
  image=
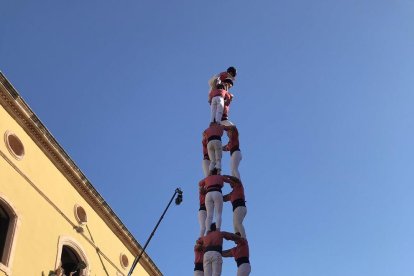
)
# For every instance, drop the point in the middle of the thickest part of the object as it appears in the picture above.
(44, 201)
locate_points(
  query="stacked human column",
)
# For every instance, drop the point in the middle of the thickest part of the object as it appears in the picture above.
(208, 249)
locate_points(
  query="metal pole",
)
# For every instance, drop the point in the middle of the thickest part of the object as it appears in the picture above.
(178, 190)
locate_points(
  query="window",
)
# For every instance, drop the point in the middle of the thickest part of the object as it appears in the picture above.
(8, 224)
(71, 257)
(4, 226)
(14, 145)
(71, 262)
(80, 214)
(124, 261)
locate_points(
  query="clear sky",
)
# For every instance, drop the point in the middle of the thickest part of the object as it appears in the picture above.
(323, 101)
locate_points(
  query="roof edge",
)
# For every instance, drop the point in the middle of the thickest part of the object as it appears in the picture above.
(13, 103)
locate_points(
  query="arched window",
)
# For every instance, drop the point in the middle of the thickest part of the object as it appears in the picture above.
(8, 224)
(71, 257)
(71, 262)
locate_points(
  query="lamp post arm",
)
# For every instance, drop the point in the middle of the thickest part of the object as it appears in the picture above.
(152, 233)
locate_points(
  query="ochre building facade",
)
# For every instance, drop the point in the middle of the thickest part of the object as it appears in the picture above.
(50, 214)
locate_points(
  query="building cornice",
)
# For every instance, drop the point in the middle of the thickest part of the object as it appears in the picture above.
(27, 119)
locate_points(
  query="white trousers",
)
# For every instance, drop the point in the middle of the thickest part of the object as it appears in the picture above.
(212, 262)
(244, 269)
(226, 123)
(215, 151)
(235, 159)
(198, 273)
(214, 204)
(217, 106)
(206, 164)
(238, 216)
(202, 215)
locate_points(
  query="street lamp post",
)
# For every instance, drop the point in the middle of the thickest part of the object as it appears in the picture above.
(178, 200)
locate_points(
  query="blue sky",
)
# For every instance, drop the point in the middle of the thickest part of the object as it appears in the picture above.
(323, 101)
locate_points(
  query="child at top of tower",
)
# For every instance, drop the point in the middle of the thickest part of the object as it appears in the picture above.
(218, 98)
(230, 73)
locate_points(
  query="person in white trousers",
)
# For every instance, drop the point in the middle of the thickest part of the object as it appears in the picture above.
(213, 136)
(241, 256)
(233, 147)
(213, 245)
(230, 73)
(217, 99)
(237, 198)
(212, 185)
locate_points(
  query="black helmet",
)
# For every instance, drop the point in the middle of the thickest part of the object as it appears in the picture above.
(232, 71)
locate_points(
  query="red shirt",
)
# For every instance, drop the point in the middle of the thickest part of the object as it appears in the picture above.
(212, 180)
(215, 238)
(214, 130)
(205, 152)
(237, 192)
(217, 92)
(198, 254)
(241, 250)
(233, 140)
(202, 195)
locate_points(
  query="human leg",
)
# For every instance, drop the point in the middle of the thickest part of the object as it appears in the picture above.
(235, 159)
(202, 215)
(226, 123)
(238, 216)
(211, 150)
(207, 263)
(219, 109)
(218, 152)
(206, 165)
(213, 107)
(198, 273)
(244, 270)
(210, 209)
(217, 263)
(218, 207)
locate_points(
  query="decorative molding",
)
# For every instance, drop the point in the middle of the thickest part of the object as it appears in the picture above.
(27, 119)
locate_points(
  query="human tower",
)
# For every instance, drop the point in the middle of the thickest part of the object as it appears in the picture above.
(208, 249)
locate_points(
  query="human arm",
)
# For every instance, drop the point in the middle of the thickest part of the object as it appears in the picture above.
(230, 236)
(227, 128)
(231, 179)
(212, 82)
(204, 143)
(228, 98)
(227, 253)
(226, 197)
